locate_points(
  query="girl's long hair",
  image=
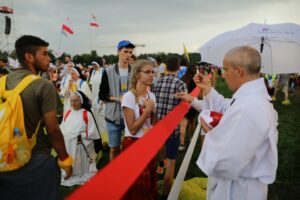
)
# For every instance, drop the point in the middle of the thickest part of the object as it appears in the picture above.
(137, 67)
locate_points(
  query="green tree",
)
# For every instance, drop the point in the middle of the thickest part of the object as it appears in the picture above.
(3, 54)
(110, 59)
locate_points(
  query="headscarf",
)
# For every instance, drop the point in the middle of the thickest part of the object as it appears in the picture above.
(77, 70)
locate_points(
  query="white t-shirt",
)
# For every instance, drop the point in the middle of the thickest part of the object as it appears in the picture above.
(129, 102)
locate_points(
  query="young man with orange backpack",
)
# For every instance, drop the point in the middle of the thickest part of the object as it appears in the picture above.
(39, 177)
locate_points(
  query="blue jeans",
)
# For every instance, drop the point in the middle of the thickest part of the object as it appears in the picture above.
(115, 133)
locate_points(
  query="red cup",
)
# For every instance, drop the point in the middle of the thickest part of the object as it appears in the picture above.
(216, 116)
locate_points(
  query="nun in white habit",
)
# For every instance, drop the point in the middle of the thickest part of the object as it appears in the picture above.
(98, 106)
(75, 83)
(78, 130)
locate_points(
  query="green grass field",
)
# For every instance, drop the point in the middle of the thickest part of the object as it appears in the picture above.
(287, 184)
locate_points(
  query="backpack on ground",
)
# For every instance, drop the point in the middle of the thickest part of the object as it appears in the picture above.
(15, 147)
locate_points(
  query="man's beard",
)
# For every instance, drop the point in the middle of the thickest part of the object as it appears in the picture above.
(38, 68)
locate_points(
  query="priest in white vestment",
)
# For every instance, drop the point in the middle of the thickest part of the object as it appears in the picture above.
(239, 155)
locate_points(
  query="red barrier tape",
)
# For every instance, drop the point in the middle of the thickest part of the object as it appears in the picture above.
(113, 181)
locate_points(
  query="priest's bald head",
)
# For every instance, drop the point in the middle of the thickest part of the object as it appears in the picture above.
(241, 64)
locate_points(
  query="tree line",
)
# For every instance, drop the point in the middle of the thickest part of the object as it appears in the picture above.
(88, 58)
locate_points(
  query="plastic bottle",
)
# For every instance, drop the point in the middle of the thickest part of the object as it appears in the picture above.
(22, 151)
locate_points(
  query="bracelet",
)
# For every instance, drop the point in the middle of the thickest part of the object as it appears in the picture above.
(118, 100)
(66, 163)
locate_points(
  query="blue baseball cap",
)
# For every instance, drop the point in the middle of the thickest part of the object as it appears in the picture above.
(125, 43)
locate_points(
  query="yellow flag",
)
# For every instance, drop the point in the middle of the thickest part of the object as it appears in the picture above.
(186, 53)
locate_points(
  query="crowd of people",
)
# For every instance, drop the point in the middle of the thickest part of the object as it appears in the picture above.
(284, 82)
(125, 100)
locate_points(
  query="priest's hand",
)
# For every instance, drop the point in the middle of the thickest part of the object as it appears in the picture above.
(203, 82)
(204, 125)
(184, 96)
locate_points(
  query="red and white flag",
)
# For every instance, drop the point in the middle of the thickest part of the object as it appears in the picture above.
(6, 10)
(94, 22)
(66, 27)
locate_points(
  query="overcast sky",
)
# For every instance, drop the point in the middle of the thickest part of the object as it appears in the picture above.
(160, 25)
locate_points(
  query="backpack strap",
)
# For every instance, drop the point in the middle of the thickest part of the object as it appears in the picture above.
(2, 84)
(25, 82)
(19, 88)
(64, 80)
(86, 120)
(32, 140)
(84, 116)
(67, 114)
(80, 84)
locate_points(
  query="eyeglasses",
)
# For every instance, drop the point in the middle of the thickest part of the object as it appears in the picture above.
(149, 72)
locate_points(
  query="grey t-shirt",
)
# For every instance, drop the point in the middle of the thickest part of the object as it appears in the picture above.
(38, 98)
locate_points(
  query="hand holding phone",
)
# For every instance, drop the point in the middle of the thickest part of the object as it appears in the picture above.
(203, 82)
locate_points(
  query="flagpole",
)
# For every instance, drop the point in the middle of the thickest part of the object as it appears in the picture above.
(186, 53)
(59, 42)
(91, 48)
(14, 21)
(93, 24)
(59, 39)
